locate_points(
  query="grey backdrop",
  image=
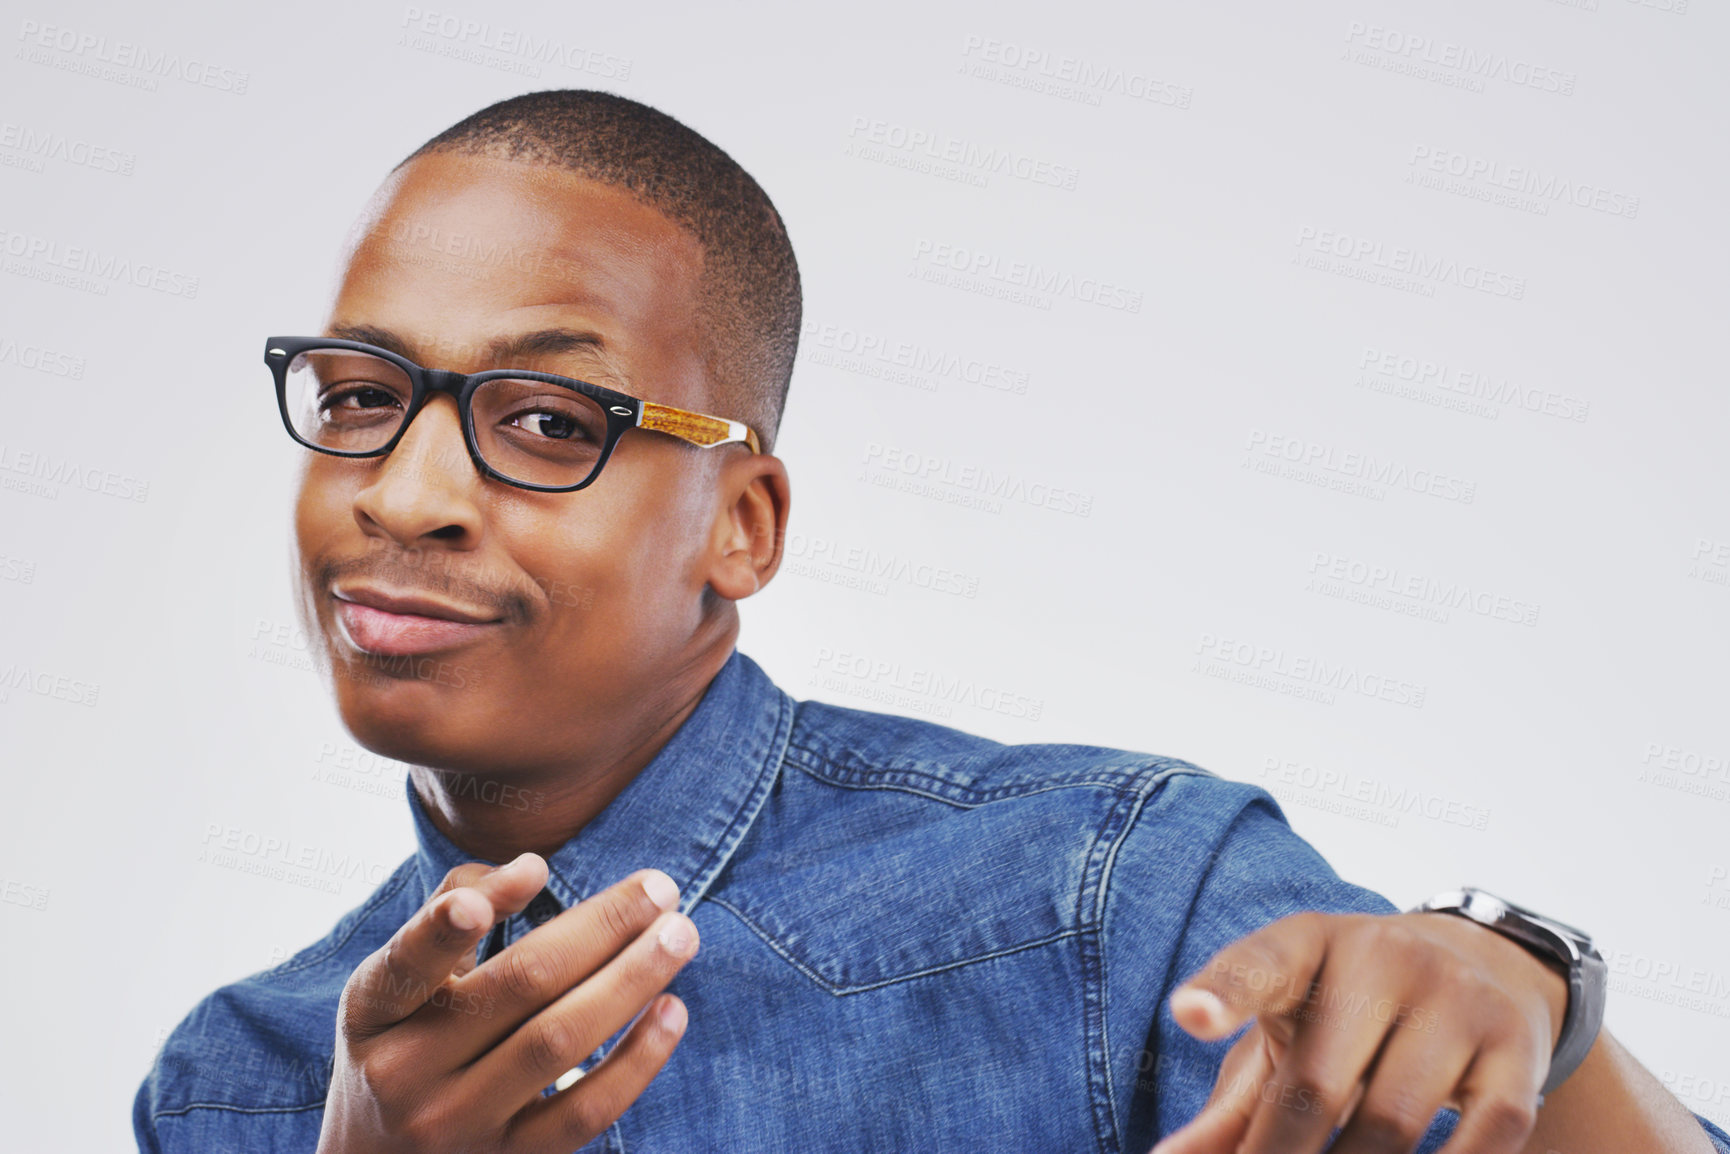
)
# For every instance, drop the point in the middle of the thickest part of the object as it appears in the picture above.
(1330, 394)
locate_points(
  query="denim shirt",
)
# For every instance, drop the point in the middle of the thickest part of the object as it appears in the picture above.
(913, 939)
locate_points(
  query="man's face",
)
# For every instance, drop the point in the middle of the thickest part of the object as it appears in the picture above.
(592, 598)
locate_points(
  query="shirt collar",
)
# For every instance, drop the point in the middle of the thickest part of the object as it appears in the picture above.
(684, 813)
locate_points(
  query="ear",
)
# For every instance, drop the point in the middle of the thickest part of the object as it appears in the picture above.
(750, 525)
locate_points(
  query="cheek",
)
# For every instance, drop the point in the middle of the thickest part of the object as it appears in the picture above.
(631, 559)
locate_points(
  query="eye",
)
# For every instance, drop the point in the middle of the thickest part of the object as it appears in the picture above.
(556, 426)
(363, 394)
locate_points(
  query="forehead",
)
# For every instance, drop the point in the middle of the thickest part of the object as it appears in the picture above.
(457, 251)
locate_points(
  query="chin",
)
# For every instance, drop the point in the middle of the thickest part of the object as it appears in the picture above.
(406, 719)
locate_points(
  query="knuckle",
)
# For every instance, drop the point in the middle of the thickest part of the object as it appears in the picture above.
(618, 921)
(550, 1042)
(1508, 1120)
(384, 1071)
(586, 1115)
(1401, 943)
(1311, 1081)
(525, 976)
(1393, 1123)
(466, 874)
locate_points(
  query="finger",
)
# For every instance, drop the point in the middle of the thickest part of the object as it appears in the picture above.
(402, 975)
(568, 1030)
(1337, 1036)
(1220, 1125)
(1267, 972)
(517, 983)
(1413, 1077)
(508, 888)
(1499, 1099)
(573, 1117)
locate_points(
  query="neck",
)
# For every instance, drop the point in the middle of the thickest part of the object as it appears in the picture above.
(495, 820)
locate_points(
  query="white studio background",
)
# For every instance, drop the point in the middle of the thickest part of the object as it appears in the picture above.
(1329, 394)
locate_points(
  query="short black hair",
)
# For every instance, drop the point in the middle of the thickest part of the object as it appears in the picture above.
(749, 300)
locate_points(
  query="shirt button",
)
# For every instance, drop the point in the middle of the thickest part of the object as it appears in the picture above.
(542, 908)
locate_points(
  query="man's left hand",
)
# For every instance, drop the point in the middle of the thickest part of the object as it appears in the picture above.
(1373, 1023)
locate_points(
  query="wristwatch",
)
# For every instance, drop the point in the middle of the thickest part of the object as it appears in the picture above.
(1567, 949)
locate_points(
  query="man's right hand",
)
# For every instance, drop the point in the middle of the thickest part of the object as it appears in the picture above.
(434, 1053)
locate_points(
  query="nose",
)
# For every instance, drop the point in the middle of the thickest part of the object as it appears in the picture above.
(424, 489)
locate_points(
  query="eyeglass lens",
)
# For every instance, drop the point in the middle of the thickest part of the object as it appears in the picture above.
(536, 432)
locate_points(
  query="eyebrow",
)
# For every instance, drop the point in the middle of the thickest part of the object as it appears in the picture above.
(543, 342)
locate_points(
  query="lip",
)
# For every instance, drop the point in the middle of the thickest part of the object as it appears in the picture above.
(404, 625)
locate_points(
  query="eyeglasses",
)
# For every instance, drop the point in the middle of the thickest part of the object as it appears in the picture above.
(537, 431)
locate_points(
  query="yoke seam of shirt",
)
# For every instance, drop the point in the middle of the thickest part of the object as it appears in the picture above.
(898, 787)
(1152, 786)
(1188, 920)
(1128, 782)
(839, 991)
(1094, 979)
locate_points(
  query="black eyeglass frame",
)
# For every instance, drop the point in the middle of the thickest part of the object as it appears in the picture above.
(622, 410)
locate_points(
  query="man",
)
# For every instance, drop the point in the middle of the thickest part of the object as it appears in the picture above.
(543, 411)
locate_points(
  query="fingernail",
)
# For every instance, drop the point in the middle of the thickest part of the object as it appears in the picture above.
(677, 935)
(1204, 1001)
(462, 917)
(672, 1015)
(662, 890)
(515, 863)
